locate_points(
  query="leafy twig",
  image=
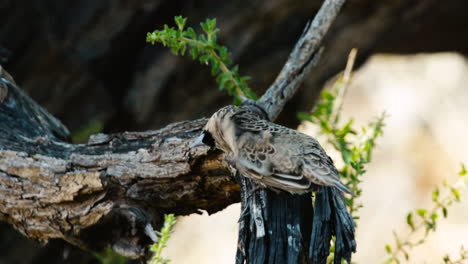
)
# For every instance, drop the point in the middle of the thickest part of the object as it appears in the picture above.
(463, 259)
(426, 220)
(356, 149)
(164, 235)
(206, 50)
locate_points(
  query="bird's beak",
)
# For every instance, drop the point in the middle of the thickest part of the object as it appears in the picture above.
(198, 142)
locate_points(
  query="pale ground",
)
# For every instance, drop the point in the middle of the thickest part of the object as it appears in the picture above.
(426, 99)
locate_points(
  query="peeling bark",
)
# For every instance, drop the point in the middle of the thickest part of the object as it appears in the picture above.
(52, 189)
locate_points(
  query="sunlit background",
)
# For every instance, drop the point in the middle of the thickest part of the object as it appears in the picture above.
(425, 97)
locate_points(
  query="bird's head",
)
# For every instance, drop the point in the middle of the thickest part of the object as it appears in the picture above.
(219, 131)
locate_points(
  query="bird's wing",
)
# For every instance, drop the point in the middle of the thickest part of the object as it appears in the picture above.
(284, 158)
(258, 159)
(319, 167)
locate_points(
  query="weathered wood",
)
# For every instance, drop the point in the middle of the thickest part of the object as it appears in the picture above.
(274, 227)
(304, 56)
(53, 189)
(279, 227)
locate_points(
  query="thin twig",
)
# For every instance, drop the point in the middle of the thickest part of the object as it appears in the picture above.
(304, 56)
(343, 83)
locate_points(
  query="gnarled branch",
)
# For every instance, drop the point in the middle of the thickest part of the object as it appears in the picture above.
(54, 189)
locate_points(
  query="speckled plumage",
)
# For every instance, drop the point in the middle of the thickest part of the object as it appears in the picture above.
(273, 155)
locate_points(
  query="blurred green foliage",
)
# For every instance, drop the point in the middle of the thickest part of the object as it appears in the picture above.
(355, 145)
(81, 135)
(108, 256)
(462, 259)
(422, 222)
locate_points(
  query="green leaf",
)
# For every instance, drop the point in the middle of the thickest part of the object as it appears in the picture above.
(245, 78)
(303, 116)
(409, 220)
(214, 67)
(209, 25)
(82, 134)
(444, 212)
(435, 195)
(327, 96)
(446, 259)
(250, 94)
(406, 255)
(183, 48)
(431, 225)
(204, 59)
(346, 129)
(421, 212)
(463, 171)
(388, 248)
(456, 193)
(191, 33)
(150, 38)
(347, 157)
(223, 53)
(202, 38)
(180, 22)
(223, 79)
(194, 53)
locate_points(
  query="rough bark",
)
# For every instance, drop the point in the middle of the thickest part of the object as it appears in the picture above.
(52, 189)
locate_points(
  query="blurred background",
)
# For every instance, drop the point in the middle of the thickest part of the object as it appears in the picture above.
(87, 62)
(423, 144)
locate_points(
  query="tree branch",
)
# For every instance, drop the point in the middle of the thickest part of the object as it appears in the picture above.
(302, 59)
(53, 189)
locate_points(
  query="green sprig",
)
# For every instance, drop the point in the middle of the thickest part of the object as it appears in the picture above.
(206, 50)
(164, 235)
(426, 220)
(463, 258)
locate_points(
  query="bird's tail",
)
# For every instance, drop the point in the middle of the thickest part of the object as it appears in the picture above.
(331, 218)
(340, 186)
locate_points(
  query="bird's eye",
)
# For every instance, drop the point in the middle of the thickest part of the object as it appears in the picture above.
(208, 139)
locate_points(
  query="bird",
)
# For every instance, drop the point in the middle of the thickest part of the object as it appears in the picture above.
(274, 156)
(284, 159)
